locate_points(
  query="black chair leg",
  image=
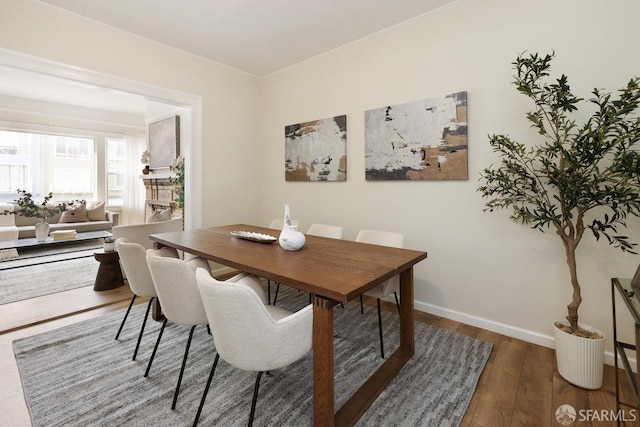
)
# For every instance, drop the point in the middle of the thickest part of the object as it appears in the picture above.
(275, 298)
(395, 294)
(144, 322)
(155, 348)
(380, 329)
(255, 398)
(184, 362)
(361, 305)
(126, 315)
(268, 292)
(206, 390)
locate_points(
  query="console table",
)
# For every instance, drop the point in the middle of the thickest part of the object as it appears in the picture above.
(630, 297)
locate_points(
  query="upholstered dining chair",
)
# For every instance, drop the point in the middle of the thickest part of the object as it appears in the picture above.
(175, 283)
(250, 335)
(382, 238)
(134, 263)
(322, 230)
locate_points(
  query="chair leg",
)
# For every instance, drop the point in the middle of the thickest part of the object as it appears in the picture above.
(206, 390)
(144, 322)
(155, 348)
(395, 294)
(268, 292)
(255, 398)
(184, 362)
(361, 305)
(380, 329)
(126, 315)
(275, 298)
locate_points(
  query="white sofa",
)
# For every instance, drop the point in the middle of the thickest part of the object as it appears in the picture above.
(8, 229)
(139, 233)
(26, 226)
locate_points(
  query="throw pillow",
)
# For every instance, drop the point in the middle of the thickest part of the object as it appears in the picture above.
(160, 215)
(75, 213)
(96, 211)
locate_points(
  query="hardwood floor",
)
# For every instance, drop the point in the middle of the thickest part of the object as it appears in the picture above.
(518, 387)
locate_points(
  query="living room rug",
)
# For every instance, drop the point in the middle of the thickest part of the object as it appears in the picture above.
(51, 274)
(79, 375)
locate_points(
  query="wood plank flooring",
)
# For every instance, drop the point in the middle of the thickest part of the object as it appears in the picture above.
(518, 387)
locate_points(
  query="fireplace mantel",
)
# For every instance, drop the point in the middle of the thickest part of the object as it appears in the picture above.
(160, 194)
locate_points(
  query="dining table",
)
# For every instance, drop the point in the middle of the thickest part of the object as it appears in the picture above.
(333, 271)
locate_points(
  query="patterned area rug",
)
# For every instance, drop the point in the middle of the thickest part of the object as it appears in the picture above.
(47, 271)
(79, 375)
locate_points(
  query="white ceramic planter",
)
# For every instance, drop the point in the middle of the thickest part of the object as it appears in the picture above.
(109, 246)
(580, 360)
(42, 230)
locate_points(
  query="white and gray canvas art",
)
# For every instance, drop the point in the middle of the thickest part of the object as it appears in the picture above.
(422, 140)
(316, 150)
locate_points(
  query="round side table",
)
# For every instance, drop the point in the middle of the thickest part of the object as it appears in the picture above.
(109, 275)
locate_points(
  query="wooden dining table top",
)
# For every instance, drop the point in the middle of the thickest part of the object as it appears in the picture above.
(340, 270)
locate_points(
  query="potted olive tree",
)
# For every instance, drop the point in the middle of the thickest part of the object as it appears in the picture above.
(578, 177)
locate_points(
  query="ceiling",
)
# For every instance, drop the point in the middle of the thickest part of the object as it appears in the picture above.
(255, 36)
(258, 37)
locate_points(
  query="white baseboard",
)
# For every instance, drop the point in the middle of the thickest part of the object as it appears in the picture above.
(500, 328)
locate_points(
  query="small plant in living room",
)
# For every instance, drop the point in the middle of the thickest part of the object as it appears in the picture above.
(29, 208)
(109, 244)
(178, 168)
(579, 177)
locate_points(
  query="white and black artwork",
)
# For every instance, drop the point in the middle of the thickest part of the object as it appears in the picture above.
(422, 140)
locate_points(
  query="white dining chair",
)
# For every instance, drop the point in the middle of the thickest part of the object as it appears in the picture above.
(322, 230)
(177, 289)
(391, 286)
(250, 335)
(134, 263)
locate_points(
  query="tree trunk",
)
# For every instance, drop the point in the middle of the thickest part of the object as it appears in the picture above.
(572, 308)
(571, 236)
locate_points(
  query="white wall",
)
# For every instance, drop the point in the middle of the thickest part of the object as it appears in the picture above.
(482, 268)
(229, 108)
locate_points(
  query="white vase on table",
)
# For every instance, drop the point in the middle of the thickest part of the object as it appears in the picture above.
(42, 230)
(290, 238)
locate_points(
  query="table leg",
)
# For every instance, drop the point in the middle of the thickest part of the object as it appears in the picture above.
(407, 339)
(364, 397)
(323, 389)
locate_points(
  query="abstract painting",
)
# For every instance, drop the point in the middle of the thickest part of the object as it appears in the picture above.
(422, 140)
(317, 150)
(164, 142)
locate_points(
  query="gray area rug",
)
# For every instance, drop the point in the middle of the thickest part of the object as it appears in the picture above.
(80, 376)
(24, 278)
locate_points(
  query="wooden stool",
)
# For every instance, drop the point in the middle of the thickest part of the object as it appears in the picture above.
(109, 275)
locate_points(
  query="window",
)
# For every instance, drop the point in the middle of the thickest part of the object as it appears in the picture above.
(116, 164)
(13, 177)
(40, 163)
(75, 148)
(71, 181)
